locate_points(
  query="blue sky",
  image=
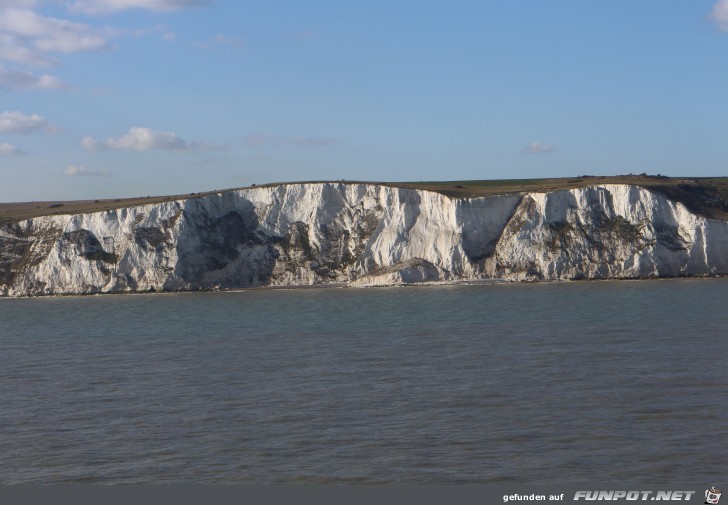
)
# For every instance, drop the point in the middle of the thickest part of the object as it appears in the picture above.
(107, 98)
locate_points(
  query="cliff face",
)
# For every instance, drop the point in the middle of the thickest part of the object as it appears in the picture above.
(358, 234)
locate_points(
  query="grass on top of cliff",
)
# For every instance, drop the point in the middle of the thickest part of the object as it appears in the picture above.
(706, 196)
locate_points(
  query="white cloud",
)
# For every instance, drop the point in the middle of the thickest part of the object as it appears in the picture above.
(97, 7)
(50, 82)
(262, 140)
(9, 150)
(141, 139)
(32, 32)
(18, 123)
(29, 38)
(21, 79)
(538, 148)
(90, 144)
(81, 171)
(169, 37)
(720, 14)
(144, 139)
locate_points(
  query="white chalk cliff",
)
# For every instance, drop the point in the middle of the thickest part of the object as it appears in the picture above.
(360, 234)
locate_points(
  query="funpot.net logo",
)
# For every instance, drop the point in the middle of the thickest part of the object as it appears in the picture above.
(712, 496)
(634, 495)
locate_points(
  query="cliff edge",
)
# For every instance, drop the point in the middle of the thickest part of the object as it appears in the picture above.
(360, 234)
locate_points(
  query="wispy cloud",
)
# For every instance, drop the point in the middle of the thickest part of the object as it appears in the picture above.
(12, 49)
(23, 124)
(90, 144)
(21, 79)
(720, 14)
(140, 32)
(99, 7)
(262, 140)
(538, 148)
(28, 37)
(230, 41)
(144, 139)
(221, 40)
(9, 150)
(82, 171)
(18, 3)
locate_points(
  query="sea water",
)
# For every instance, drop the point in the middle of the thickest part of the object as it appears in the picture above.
(582, 382)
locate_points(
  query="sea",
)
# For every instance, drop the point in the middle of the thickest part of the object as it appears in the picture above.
(574, 382)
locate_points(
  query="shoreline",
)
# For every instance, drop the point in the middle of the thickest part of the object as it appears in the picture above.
(341, 285)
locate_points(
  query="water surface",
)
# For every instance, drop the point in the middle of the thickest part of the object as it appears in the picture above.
(529, 383)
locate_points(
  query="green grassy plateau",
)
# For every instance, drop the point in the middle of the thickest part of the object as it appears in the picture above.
(706, 196)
